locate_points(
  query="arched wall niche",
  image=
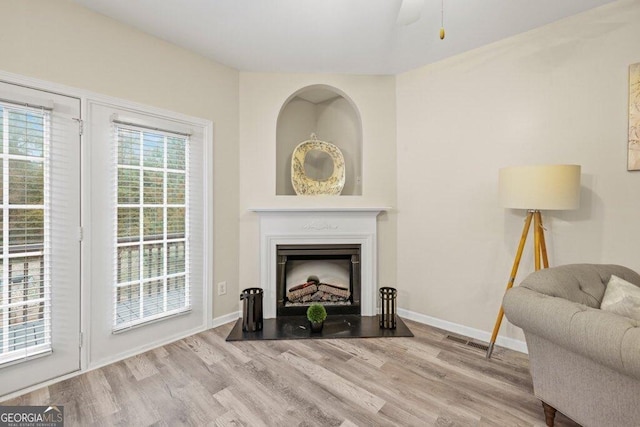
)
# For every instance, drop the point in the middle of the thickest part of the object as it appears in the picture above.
(333, 117)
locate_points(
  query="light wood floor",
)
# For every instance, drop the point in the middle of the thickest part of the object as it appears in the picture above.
(428, 380)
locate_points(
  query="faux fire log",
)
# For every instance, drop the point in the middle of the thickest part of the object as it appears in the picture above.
(301, 291)
(334, 290)
(304, 285)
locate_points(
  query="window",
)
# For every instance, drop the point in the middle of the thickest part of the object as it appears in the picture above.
(25, 295)
(152, 250)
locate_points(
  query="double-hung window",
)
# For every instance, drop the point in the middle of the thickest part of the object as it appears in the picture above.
(152, 227)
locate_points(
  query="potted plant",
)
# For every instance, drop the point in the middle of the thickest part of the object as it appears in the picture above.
(316, 314)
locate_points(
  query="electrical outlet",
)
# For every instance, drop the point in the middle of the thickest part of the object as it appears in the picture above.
(222, 288)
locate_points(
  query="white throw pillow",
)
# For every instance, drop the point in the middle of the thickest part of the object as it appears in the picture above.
(622, 297)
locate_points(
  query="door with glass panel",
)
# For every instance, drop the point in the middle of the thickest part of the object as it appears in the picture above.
(39, 236)
(147, 265)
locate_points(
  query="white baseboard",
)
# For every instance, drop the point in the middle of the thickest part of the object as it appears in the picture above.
(466, 331)
(227, 318)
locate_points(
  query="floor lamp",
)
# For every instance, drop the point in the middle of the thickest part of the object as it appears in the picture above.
(535, 188)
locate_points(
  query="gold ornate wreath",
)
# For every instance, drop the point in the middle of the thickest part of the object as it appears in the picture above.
(302, 184)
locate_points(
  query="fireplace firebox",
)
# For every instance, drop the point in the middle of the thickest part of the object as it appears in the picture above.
(328, 274)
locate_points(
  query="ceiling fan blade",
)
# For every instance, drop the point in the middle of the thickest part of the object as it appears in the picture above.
(410, 11)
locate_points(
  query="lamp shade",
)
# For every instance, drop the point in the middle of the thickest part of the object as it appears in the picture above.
(545, 187)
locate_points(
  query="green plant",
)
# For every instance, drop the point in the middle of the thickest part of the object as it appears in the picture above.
(316, 313)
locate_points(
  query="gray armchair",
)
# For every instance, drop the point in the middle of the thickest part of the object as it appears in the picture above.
(585, 362)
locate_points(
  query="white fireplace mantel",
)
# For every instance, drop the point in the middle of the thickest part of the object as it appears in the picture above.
(284, 226)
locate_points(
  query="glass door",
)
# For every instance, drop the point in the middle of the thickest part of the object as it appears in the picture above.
(39, 236)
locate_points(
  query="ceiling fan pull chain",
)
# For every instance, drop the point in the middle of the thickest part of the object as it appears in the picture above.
(442, 21)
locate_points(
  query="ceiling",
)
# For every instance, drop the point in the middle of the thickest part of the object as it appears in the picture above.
(334, 36)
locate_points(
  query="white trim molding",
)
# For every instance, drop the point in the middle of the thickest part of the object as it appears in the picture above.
(466, 331)
(224, 319)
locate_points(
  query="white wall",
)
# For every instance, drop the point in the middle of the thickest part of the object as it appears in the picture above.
(61, 42)
(557, 94)
(262, 96)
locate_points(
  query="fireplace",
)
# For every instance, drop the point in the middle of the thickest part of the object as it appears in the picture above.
(328, 274)
(291, 228)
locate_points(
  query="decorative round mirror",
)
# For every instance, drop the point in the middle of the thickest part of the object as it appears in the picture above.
(317, 168)
(318, 165)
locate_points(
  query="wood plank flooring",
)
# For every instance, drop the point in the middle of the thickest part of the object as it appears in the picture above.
(428, 380)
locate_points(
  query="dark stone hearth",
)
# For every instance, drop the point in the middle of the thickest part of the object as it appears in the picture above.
(337, 326)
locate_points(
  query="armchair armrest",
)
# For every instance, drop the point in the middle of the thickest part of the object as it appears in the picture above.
(601, 336)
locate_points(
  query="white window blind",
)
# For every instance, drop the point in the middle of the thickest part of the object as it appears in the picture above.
(152, 226)
(25, 288)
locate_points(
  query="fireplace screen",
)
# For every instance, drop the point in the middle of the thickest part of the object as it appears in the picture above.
(326, 274)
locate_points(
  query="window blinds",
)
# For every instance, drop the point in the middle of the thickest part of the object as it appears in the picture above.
(152, 226)
(25, 288)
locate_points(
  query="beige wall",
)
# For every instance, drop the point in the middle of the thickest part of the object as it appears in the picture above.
(261, 98)
(60, 42)
(557, 94)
